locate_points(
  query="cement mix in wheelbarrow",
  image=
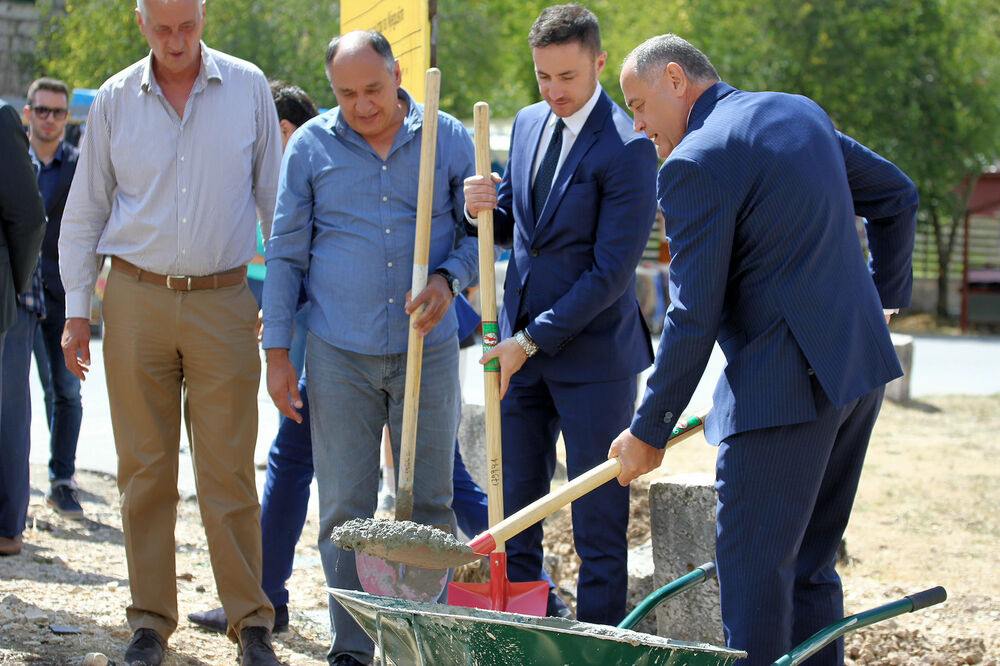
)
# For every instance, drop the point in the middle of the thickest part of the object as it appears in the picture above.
(423, 545)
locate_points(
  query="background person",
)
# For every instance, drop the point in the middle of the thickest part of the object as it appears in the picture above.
(47, 112)
(22, 228)
(759, 192)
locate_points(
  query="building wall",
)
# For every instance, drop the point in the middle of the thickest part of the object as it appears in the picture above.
(19, 23)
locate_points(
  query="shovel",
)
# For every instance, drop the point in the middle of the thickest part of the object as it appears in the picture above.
(384, 576)
(528, 598)
(436, 549)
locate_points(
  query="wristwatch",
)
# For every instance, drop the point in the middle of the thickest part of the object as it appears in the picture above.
(529, 346)
(453, 283)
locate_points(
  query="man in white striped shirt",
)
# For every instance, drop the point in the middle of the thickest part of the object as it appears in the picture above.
(179, 161)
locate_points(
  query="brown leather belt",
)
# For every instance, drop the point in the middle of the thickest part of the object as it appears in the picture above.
(228, 278)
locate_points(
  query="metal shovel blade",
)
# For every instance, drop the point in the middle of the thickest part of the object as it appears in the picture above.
(392, 579)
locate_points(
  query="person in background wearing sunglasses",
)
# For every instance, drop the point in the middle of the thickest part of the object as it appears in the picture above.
(48, 112)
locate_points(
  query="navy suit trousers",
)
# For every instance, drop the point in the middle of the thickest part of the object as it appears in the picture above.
(590, 415)
(785, 496)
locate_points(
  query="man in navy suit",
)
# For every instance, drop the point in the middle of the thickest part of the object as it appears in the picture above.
(576, 203)
(759, 193)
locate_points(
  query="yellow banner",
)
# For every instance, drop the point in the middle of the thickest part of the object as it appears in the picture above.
(405, 23)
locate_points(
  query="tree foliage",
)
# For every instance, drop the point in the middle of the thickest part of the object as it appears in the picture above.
(916, 80)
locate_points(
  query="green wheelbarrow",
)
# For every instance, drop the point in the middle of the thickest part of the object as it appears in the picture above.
(413, 633)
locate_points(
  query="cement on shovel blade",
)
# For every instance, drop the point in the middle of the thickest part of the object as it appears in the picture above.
(403, 541)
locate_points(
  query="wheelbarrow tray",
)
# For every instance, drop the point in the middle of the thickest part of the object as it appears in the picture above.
(424, 634)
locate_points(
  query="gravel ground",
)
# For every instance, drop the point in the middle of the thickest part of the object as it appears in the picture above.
(928, 513)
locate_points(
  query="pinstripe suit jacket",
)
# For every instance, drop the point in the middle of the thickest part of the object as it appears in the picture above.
(760, 198)
(576, 266)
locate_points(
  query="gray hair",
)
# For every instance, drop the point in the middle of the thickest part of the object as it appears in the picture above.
(141, 6)
(652, 56)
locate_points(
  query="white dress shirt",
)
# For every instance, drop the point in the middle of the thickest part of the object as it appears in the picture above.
(172, 195)
(573, 125)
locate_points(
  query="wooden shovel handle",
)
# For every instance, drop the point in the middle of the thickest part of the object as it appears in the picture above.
(421, 253)
(581, 485)
(491, 331)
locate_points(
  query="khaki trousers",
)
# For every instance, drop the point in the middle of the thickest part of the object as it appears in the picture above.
(158, 343)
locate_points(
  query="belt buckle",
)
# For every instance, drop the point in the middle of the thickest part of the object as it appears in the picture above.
(182, 278)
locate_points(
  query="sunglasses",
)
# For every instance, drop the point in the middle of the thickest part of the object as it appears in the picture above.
(45, 112)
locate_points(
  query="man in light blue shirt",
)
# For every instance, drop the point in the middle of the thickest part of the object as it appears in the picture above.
(345, 217)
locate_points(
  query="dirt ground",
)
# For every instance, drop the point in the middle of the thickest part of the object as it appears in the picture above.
(928, 513)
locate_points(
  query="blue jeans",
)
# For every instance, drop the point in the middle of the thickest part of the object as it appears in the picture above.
(353, 396)
(63, 407)
(285, 500)
(15, 423)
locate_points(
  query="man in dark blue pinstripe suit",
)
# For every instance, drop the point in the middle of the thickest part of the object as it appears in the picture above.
(760, 193)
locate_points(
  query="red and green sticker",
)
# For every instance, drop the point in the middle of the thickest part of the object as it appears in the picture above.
(491, 338)
(680, 428)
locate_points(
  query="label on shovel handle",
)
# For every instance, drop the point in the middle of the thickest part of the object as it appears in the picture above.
(491, 338)
(684, 426)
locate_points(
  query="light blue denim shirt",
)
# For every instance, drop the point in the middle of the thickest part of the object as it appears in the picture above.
(346, 219)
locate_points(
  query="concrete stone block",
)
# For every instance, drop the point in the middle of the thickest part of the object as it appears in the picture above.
(641, 583)
(682, 520)
(472, 442)
(898, 390)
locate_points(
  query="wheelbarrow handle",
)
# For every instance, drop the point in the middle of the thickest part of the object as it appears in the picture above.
(827, 635)
(671, 589)
(514, 524)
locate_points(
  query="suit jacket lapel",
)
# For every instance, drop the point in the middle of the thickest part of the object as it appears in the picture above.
(586, 139)
(522, 183)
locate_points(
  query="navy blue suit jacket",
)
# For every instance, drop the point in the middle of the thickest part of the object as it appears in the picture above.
(579, 260)
(760, 198)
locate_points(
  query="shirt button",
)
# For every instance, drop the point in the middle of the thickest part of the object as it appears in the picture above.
(385, 168)
(388, 231)
(390, 300)
(389, 264)
(184, 221)
(184, 190)
(385, 198)
(534, 252)
(668, 417)
(182, 158)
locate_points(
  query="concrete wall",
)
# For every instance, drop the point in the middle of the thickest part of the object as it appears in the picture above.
(18, 27)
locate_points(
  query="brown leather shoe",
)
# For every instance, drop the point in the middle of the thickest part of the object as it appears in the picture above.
(145, 649)
(255, 647)
(10, 546)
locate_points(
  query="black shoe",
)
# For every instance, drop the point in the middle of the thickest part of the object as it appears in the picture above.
(145, 649)
(556, 607)
(345, 659)
(63, 498)
(255, 647)
(215, 619)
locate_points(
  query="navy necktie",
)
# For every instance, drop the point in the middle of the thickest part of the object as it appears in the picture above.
(547, 169)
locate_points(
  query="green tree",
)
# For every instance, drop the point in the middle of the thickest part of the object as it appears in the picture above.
(93, 39)
(916, 80)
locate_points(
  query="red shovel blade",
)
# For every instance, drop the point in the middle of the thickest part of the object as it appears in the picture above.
(530, 598)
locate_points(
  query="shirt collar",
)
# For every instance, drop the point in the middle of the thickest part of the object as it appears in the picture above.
(208, 71)
(56, 159)
(575, 122)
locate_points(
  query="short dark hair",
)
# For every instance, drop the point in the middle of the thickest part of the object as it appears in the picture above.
(292, 102)
(561, 24)
(47, 83)
(654, 54)
(373, 38)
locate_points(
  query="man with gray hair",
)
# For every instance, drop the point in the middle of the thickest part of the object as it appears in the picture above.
(180, 160)
(345, 217)
(759, 192)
